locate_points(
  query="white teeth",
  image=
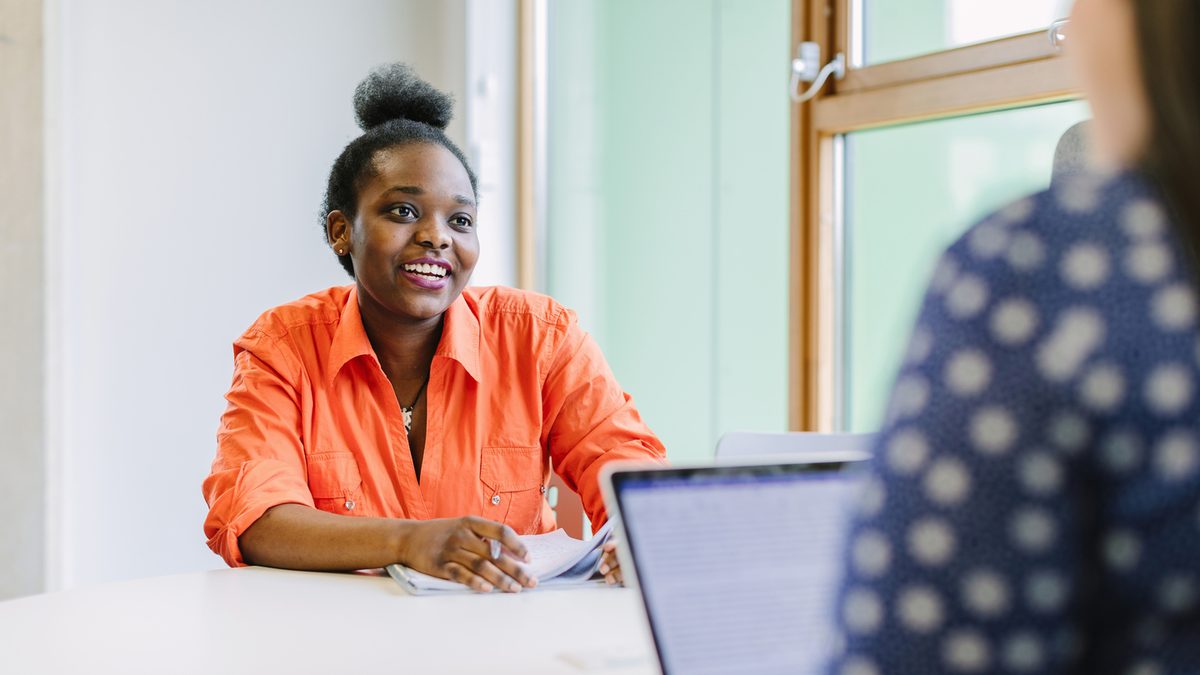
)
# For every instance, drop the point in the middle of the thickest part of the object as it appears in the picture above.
(428, 270)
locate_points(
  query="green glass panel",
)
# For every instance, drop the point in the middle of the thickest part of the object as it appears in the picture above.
(667, 222)
(898, 29)
(910, 191)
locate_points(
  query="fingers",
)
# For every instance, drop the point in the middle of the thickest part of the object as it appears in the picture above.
(480, 557)
(481, 576)
(464, 576)
(500, 532)
(610, 566)
(486, 569)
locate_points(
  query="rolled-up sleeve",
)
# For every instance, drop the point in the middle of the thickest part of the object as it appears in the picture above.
(589, 420)
(260, 457)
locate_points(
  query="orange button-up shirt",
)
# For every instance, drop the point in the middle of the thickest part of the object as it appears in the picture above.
(515, 387)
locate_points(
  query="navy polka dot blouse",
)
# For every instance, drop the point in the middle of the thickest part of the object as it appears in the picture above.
(1034, 500)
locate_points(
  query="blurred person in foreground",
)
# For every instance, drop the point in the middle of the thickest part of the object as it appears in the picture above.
(1035, 499)
(408, 418)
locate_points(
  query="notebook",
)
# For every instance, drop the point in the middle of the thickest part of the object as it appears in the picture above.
(737, 566)
(556, 559)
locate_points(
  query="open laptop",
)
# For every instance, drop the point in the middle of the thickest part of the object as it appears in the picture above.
(737, 565)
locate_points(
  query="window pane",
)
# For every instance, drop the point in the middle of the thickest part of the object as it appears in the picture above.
(910, 191)
(667, 226)
(889, 30)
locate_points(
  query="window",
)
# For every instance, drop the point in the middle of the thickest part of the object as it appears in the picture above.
(667, 204)
(949, 109)
(893, 30)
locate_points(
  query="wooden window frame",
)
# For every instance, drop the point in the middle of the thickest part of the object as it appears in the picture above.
(1001, 74)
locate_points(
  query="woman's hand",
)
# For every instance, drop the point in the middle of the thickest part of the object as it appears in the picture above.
(478, 553)
(610, 566)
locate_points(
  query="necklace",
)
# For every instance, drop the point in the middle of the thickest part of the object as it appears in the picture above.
(407, 410)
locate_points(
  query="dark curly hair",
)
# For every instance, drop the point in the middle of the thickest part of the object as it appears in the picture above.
(394, 107)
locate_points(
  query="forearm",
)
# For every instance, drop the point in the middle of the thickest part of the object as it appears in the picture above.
(294, 536)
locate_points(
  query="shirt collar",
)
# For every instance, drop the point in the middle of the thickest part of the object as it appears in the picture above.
(350, 339)
(460, 337)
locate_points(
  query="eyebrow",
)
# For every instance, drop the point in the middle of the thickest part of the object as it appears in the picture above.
(414, 190)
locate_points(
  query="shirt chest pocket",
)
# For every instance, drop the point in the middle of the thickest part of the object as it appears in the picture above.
(513, 486)
(335, 483)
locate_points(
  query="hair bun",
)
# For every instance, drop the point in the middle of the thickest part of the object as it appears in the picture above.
(393, 92)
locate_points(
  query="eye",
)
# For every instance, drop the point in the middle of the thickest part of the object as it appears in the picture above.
(404, 211)
(461, 222)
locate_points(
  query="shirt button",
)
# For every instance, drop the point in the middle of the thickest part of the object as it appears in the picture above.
(495, 500)
(349, 504)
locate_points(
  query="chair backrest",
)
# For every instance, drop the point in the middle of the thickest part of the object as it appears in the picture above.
(568, 507)
(747, 444)
(1073, 153)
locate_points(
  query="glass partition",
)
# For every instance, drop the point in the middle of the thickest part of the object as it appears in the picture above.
(910, 191)
(890, 30)
(667, 226)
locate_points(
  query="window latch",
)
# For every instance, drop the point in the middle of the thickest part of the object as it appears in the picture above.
(806, 67)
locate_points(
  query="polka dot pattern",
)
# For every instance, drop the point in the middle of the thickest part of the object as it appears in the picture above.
(1032, 530)
(1043, 442)
(872, 553)
(1040, 474)
(967, 297)
(1176, 457)
(1046, 591)
(1014, 322)
(985, 594)
(1085, 267)
(968, 373)
(1148, 263)
(1121, 451)
(1079, 194)
(988, 241)
(920, 609)
(1143, 219)
(1122, 550)
(948, 482)
(910, 396)
(863, 611)
(993, 430)
(1023, 653)
(1102, 388)
(1174, 308)
(931, 542)
(1169, 389)
(907, 452)
(966, 651)
(1026, 252)
(1077, 334)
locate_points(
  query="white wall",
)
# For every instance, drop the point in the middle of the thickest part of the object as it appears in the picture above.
(189, 163)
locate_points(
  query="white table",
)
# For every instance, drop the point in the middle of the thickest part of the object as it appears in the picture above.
(263, 621)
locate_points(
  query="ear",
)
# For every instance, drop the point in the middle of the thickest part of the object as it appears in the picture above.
(337, 232)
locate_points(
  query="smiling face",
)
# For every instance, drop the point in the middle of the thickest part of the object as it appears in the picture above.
(413, 240)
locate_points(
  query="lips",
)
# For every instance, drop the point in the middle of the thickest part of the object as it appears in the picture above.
(430, 273)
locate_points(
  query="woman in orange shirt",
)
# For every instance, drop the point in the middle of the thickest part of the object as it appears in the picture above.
(408, 418)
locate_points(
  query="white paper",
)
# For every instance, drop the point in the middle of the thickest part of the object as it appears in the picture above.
(556, 558)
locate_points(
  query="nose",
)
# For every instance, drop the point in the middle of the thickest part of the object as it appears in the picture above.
(431, 233)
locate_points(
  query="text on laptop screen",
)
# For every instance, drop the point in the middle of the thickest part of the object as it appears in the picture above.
(738, 572)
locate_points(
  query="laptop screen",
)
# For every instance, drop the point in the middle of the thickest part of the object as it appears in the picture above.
(738, 565)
